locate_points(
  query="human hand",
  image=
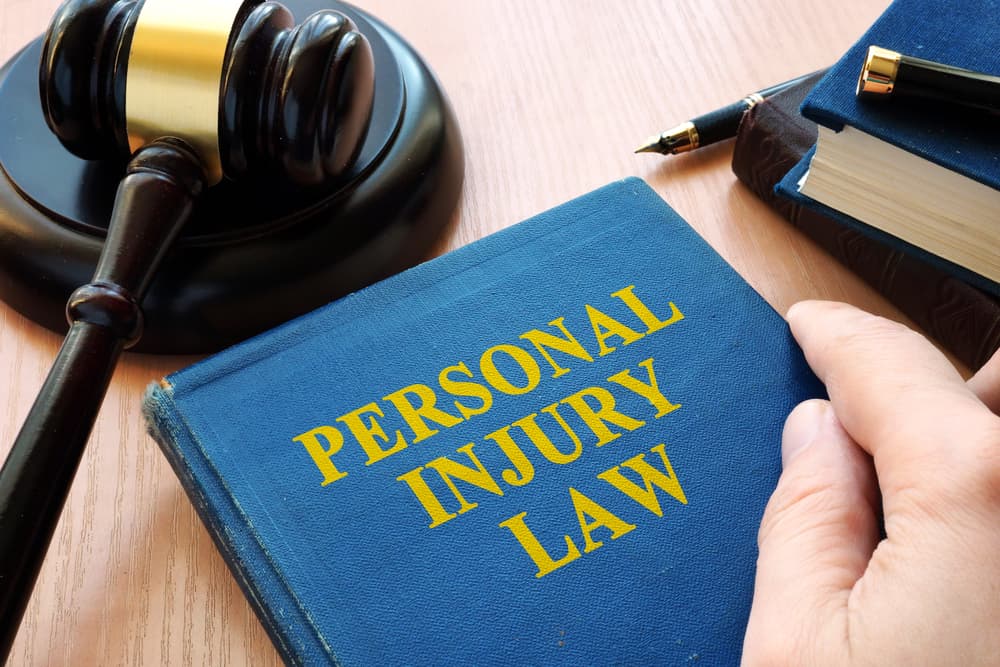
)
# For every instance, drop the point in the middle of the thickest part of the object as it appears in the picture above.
(900, 420)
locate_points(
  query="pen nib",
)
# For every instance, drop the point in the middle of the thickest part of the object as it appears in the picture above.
(652, 145)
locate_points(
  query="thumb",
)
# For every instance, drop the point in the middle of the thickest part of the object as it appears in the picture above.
(816, 538)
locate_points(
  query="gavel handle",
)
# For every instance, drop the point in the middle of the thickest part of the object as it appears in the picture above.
(39, 469)
(154, 200)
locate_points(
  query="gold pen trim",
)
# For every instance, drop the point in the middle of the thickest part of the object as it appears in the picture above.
(681, 139)
(878, 75)
(175, 75)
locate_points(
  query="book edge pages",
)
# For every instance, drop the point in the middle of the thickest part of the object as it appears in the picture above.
(904, 195)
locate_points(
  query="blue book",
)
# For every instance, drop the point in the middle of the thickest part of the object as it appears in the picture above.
(550, 447)
(923, 176)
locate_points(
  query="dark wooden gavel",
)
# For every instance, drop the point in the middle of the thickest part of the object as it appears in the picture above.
(192, 91)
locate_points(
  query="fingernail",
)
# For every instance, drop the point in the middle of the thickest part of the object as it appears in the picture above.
(802, 427)
(790, 313)
(798, 307)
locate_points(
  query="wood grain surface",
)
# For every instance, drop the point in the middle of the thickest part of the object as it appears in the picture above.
(552, 98)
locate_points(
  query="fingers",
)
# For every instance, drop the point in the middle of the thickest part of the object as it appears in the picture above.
(816, 538)
(986, 384)
(895, 394)
(823, 588)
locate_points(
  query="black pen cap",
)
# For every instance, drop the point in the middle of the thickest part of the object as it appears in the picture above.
(888, 74)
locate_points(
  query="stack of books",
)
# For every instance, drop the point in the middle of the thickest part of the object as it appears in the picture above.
(924, 175)
(906, 195)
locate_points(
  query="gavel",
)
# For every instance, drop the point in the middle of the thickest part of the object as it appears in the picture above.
(190, 92)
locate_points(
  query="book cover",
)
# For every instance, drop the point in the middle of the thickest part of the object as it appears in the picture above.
(552, 446)
(963, 34)
(773, 136)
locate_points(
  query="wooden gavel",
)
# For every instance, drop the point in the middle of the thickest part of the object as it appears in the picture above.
(194, 91)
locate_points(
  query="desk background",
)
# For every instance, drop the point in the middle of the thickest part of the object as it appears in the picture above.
(552, 98)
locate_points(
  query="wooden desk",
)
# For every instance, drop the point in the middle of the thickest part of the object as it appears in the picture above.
(552, 98)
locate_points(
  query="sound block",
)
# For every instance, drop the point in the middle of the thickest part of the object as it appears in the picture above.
(254, 255)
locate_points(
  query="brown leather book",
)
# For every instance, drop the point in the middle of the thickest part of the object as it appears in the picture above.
(772, 138)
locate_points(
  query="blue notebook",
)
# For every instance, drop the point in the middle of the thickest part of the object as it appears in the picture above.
(964, 34)
(550, 447)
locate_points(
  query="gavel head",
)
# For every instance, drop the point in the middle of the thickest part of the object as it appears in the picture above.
(250, 92)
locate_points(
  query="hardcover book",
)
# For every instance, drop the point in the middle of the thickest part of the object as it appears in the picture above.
(773, 137)
(921, 173)
(552, 446)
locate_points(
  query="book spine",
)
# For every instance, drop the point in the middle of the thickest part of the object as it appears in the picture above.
(772, 138)
(232, 536)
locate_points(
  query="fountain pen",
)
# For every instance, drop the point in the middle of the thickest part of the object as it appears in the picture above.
(712, 127)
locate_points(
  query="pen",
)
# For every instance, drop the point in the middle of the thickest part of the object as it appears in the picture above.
(887, 74)
(713, 126)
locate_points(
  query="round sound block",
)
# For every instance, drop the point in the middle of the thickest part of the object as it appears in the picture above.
(254, 255)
